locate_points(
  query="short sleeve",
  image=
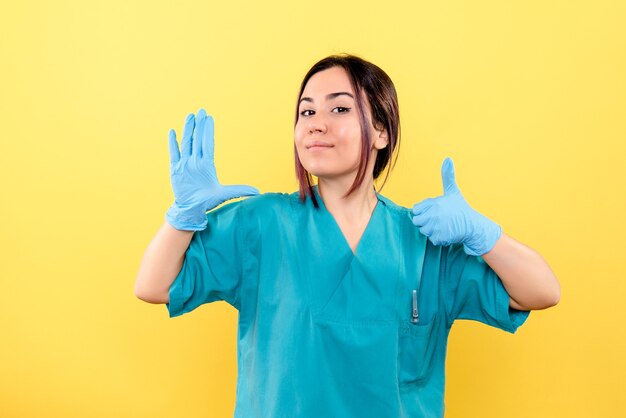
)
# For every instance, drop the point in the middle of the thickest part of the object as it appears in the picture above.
(474, 291)
(211, 270)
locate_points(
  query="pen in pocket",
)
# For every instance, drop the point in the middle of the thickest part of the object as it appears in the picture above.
(415, 318)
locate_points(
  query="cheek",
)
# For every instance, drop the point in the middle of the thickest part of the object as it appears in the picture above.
(298, 142)
(344, 132)
(348, 131)
(348, 137)
(298, 133)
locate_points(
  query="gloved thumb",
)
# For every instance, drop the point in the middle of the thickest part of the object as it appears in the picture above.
(447, 175)
(231, 192)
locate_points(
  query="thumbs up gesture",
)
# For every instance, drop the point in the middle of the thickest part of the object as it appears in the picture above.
(448, 219)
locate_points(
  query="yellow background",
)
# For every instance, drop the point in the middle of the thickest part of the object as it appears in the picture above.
(528, 98)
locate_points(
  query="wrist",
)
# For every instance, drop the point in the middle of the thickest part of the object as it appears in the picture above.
(484, 237)
(186, 218)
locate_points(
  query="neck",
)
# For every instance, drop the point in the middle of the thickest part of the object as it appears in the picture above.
(354, 208)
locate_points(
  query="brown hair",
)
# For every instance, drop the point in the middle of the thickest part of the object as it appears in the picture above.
(381, 94)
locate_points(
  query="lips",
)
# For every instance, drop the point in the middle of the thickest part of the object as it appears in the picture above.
(319, 144)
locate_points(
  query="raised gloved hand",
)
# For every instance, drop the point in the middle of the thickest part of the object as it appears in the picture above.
(194, 180)
(448, 219)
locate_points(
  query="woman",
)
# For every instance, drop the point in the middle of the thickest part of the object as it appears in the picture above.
(345, 299)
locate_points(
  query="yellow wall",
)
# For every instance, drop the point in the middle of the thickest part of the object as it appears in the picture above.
(528, 98)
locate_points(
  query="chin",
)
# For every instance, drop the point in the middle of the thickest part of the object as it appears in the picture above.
(326, 174)
(319, 173)
(322, 170)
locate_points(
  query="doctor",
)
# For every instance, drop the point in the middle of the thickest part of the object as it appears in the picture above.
(345, 299)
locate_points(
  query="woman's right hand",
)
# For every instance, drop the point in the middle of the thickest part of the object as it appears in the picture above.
(194, 179)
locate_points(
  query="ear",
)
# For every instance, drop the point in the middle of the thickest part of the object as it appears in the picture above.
(381, 140)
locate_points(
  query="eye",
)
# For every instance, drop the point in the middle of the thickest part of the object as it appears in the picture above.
(304, 111)
(345, 109)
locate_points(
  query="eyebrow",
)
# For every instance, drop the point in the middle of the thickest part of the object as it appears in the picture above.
(328, 96)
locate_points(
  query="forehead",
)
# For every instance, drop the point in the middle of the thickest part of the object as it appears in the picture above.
(328, 81)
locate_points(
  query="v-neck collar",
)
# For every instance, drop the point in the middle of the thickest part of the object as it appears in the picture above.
(366, 232)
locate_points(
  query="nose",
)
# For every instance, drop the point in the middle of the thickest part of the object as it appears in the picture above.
(316, 124)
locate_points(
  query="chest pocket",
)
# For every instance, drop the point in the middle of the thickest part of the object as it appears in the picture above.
(420, 323)
(416, 350)
(417, 330)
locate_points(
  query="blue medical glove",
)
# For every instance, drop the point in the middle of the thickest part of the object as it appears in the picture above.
(194, 180)
(448, 219)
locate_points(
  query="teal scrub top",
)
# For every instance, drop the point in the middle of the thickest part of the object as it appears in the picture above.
(327, 332)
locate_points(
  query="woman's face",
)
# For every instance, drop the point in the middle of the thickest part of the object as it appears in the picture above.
(328, 134)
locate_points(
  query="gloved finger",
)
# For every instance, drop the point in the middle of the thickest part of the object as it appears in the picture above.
(448, 177)
(437, 238)
(423, 206)
(427, 229)
(239, 190)
(197, 134)
(187, 132)
(421, 219)
(174, 153)
(208, 144)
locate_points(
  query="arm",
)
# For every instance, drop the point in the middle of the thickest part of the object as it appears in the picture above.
(196, 190)
(526, 276)
(449, 219)
(161, 263)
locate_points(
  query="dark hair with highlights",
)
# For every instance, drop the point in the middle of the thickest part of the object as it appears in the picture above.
(380, 92)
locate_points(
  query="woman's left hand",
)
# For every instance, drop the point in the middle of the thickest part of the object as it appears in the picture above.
(448, 219)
